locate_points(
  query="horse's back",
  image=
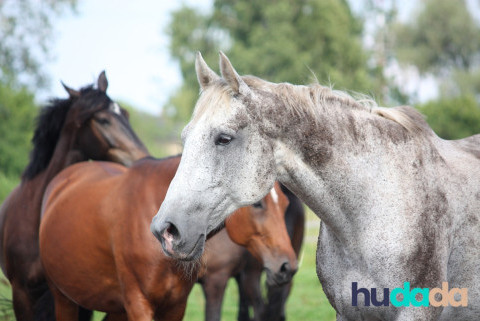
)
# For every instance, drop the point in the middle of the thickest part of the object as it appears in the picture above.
(79, 187)
(462, 158)
(470, 145)
(78, 175)
(459, 177)
(75, 234)
(96, 224)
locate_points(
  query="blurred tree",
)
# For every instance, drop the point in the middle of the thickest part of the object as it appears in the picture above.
(462, 82)
(380, 17)
(190, 31)
(26, 35)
(453, 118)
(443, 39)
(279, 40)
(442, 36)
(17, 113)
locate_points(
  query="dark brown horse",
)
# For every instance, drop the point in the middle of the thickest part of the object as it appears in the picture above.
(98, 251)
(231, 260)
(87, 125)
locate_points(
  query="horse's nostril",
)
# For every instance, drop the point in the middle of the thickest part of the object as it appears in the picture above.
(172, 231)
(285, 267)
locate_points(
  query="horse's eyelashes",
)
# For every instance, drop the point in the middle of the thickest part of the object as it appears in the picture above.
(103, 121)
(223, 139)
(257, 204)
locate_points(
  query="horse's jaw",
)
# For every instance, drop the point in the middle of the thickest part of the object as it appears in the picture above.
(184, 221)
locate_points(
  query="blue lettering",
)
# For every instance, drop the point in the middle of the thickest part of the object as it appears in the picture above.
(385, 301)
(356, 291)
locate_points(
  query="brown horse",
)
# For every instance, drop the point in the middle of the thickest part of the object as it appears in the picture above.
(98, 251)
(249, 278)
(87, 125)
(231, 260)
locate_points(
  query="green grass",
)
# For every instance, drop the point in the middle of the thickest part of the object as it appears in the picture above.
(306, 301)
(6, 311)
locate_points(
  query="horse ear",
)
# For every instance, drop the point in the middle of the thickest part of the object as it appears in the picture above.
(232, 78)
(205, 75)
(102, 82)
(71, 92)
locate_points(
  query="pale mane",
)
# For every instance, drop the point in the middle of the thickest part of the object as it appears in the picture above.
(218, 94)
(308, 101)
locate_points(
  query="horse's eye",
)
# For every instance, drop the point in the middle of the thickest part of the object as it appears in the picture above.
(103, 121)
(257, 205)
(223, 140)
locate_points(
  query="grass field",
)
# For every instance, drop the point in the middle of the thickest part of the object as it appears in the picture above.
(307, 302)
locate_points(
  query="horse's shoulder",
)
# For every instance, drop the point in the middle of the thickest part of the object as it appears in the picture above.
(161, 168)
(84, 173)
(94, 168)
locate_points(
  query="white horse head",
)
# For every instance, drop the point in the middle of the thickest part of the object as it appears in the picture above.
(227, 163)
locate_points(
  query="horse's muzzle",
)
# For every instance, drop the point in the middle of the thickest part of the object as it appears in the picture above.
(282, 276)
(172, 243)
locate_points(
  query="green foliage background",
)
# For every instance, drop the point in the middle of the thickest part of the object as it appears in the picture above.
(26, 35)
(453, 118)
(282, 40)
(443, 39)
(442, 35)
(17, 113)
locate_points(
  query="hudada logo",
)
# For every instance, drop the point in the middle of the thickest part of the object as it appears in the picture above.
(416, 297)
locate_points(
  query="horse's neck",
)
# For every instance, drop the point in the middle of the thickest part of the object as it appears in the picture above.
(341, 166)
(34, 188)
(303, 180)
(64, 155)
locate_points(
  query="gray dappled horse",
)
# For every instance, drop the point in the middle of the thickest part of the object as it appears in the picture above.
(397, 203)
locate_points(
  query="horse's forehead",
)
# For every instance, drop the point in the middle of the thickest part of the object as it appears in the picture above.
(274, 195)
(115, 108)
(231, 118)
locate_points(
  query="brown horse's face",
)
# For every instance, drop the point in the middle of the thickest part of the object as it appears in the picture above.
(261, 229)
(107, 135)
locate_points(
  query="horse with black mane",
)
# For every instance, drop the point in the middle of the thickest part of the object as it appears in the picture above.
(87, 125)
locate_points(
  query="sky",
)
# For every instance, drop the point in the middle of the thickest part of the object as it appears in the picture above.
(126, 39)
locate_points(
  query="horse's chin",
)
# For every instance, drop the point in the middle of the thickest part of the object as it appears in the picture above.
(277, 279)
(220, 227)
(193, 255)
